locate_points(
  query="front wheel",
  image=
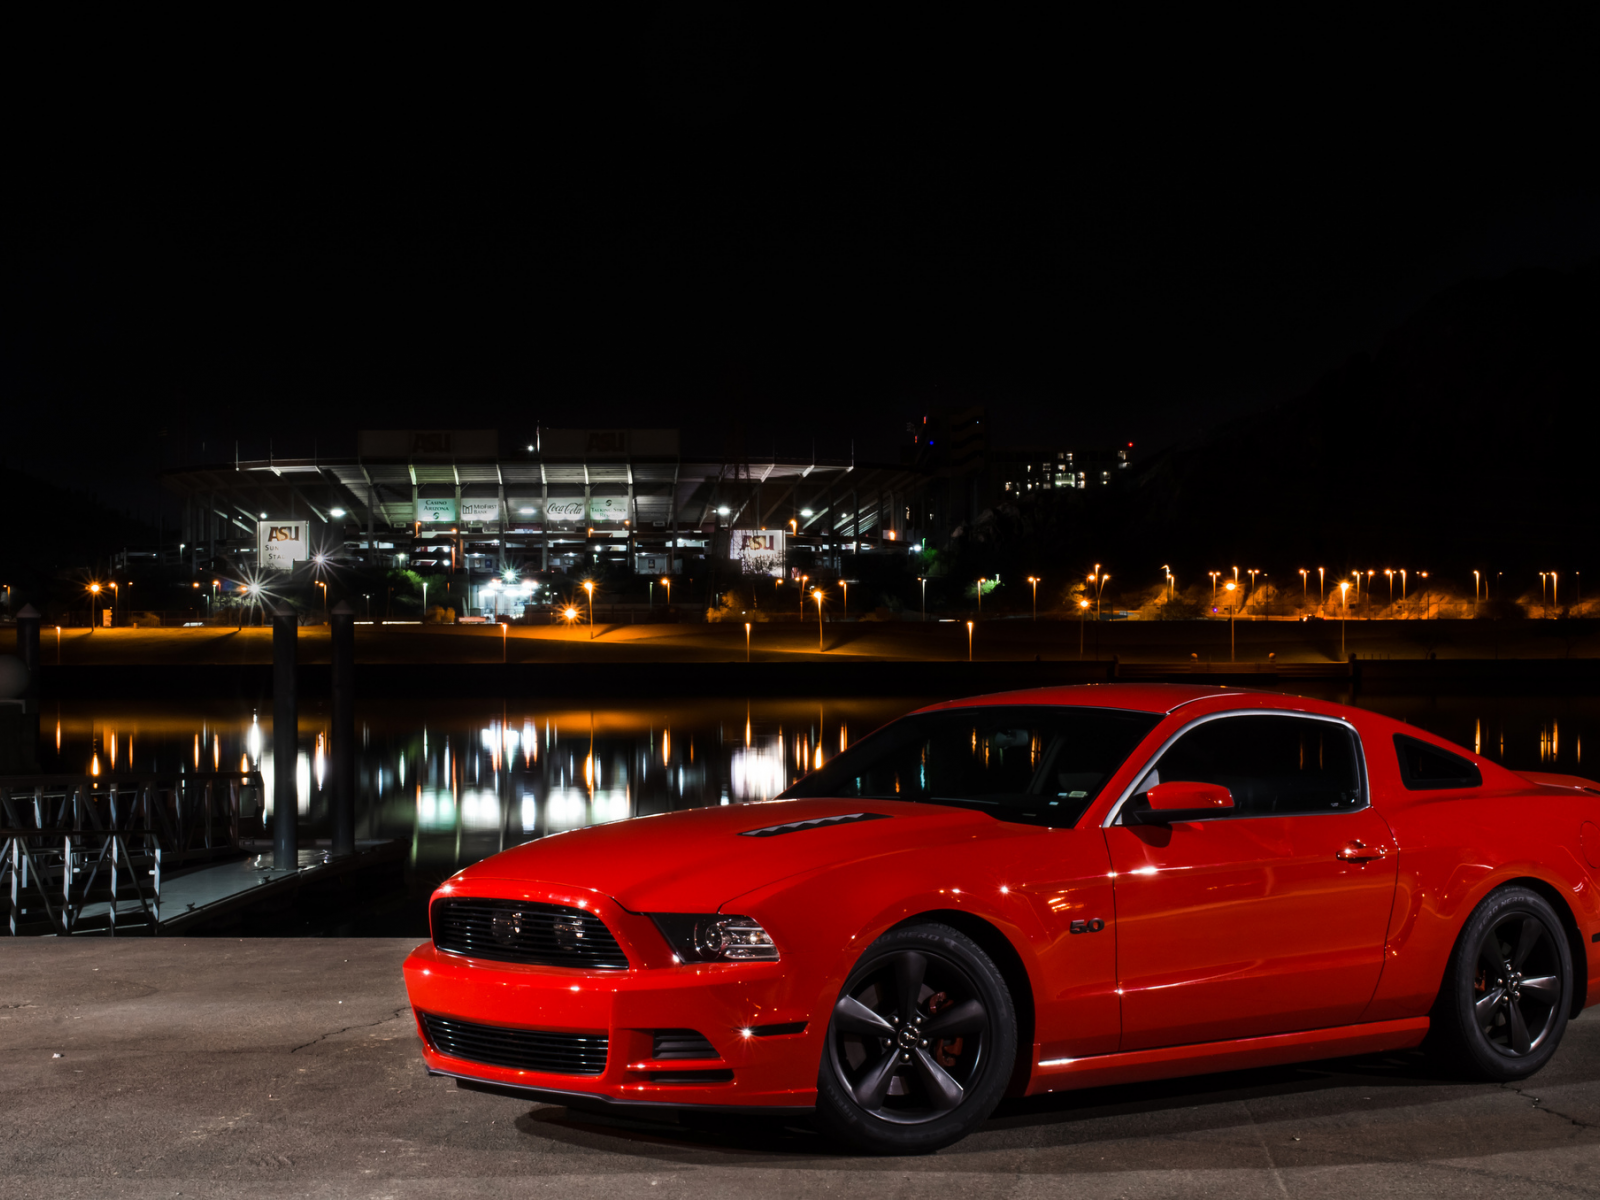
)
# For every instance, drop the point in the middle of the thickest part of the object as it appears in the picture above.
(920, 1044)
(1508, 988)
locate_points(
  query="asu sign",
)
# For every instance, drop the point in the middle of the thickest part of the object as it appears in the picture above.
(758, 551)
(281, 544)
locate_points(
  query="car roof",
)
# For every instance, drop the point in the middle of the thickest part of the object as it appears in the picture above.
(1136, 697)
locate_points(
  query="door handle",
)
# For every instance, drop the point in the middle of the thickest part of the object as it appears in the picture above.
(1359, 851)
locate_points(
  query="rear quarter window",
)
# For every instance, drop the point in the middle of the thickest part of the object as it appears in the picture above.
(1427, 768)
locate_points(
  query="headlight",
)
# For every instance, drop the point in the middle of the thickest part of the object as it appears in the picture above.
(715, 937)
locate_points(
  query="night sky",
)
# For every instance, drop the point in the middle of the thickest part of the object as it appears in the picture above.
(809, 231)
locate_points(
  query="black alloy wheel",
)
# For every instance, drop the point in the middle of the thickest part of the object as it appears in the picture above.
(920, 1045)
(1508, 990)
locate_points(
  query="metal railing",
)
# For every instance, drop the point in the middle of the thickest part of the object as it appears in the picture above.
(83, 852)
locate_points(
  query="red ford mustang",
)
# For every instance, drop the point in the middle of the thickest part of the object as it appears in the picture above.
(1028, 892)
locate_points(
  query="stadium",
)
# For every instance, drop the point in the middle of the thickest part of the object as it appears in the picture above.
(569, 501)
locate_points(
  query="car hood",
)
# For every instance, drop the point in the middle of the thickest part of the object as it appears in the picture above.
(695, 861)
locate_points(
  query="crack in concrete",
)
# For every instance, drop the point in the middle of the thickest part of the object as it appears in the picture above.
(394, 1016)
(1540, 1106)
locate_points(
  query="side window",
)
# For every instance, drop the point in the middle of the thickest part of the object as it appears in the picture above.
(1274, 766)
(1425, 768)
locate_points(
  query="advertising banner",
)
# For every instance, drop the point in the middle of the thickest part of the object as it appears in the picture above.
(441, 511)
(758, 551)
(608, 508)
(568, 508)
(281, 544)
(480, 509)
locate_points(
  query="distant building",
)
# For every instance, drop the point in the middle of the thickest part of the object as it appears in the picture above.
(568, 500)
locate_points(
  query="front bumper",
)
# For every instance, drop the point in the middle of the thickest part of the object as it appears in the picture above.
(730, 1004)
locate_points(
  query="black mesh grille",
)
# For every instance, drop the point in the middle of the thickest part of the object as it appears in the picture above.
(523, 932)
(681, 1043)
(524, 1049)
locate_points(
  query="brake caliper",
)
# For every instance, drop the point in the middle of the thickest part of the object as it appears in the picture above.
(945, 1052)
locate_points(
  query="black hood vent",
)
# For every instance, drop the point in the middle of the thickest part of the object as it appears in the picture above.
(818, 823)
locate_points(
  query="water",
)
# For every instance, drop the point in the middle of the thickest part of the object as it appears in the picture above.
(457, 781)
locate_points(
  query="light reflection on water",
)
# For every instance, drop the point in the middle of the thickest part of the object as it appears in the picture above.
(461, 780)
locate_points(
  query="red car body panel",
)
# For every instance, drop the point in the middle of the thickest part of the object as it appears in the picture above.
(1217, 949)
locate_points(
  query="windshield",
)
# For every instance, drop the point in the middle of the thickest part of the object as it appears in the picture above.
(1037, 765)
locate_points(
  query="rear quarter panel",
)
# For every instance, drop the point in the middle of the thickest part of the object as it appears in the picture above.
(1455, 847)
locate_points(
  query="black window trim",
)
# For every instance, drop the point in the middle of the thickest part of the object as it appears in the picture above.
(1443, 785)
(1155, 759)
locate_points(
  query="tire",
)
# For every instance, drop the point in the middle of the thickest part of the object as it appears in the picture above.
(1481, 1026)
(889, 1087)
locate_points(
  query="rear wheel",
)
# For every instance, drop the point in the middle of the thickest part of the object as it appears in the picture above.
(1508, 988)
(920, 1044)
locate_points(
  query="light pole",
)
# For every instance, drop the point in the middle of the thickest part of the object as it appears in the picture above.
(846, 586)
(969, 641)
(1389, 571)
(667, 583)
(1083, 613)
(1402, 587)
(1555, 590)
(94, 594)
(1344, 611)
(1213, 575)
(804, 579)
(816, 594)
(1099, 582)
(1231, 587)
(923, 580)
(747, 641)
(981, 582)
(1477, 579)
(1305, 593)
(1167, 571)
(1253, 572)
(588, 586)
(1322, 586)
(1034, 580)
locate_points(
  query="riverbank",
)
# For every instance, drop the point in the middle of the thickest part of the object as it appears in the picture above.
(884, 658)
(1000, 640)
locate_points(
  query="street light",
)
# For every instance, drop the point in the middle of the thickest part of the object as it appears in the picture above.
(923, 580)
(1232, 608)
(845, 584)
(1322, 586)
(804, 579)
(981, 582)
(969, 641)
(1344, 611)
(1099, 581)
(1083, 612)
(94, 592)
(588, 586)
(1213, 575)
(667, 583)
(1035, 582)
(1305, 594)
(816, 594)
(747, 641)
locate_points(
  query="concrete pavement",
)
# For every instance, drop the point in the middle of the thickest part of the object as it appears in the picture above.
(267, 1068)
